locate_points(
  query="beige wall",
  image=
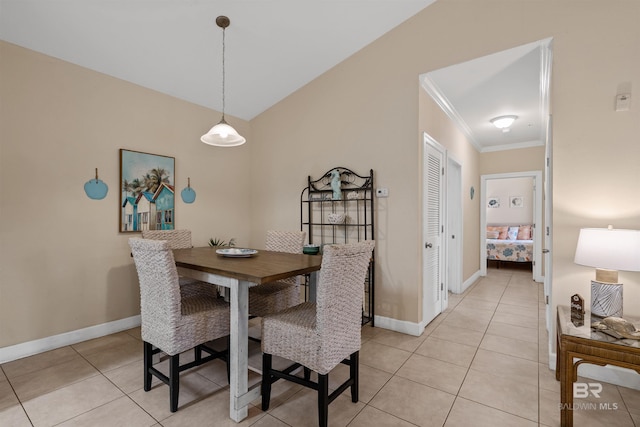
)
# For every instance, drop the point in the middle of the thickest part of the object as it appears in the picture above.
(60, 121)
(520, 160)
(63, 264)
(504, 189)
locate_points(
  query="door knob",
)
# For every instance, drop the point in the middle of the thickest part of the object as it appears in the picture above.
(428, 245)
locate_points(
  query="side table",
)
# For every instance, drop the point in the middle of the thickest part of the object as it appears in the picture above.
(590, 346)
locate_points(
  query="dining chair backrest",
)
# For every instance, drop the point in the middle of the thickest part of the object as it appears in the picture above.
(178, 239)
(339, 294)
(160, 302)
(285, 241)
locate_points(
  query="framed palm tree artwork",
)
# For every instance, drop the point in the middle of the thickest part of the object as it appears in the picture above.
(147, 191)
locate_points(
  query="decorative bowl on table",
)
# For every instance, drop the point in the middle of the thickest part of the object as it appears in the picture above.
(236, 252)
(336, 218)
(310, 249)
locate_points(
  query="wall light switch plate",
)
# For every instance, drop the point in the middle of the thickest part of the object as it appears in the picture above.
(623, 102)
(382, 192)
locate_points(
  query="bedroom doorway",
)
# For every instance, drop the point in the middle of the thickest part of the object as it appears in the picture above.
(510, 200)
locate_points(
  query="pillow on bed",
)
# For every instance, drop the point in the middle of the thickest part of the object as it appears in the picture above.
(524, 232)
(493, 234)
(502, 230)
(512, 233)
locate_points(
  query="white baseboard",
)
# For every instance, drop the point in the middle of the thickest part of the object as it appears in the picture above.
(608, 374)
(470, 281)
(409, 328)
(18, 351)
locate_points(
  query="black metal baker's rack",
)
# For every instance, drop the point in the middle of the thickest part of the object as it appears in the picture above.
(320, 218)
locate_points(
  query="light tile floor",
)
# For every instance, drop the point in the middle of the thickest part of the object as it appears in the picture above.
(483, 362)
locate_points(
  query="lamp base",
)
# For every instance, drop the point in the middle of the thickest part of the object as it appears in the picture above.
(606, 299)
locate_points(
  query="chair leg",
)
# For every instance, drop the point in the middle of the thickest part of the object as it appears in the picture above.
(147, 362)
(174, 382)
(197, 353)
(266, 381)
(307, 373)
(323, 400)
(354, 373)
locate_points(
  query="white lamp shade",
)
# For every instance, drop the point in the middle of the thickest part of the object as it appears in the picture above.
(223, 135)
(610, 249)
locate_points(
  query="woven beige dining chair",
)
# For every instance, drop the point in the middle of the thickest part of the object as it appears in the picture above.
(276, 296)
(320, 335)
(177, 239)
(175, 318)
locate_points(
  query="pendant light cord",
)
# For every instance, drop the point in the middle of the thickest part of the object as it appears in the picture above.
(223, 74)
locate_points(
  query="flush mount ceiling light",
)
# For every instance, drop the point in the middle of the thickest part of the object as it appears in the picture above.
(222, 134)
(503, 122)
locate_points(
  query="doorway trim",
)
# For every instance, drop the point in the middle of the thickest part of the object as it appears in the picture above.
(537, 219)
(453, 224)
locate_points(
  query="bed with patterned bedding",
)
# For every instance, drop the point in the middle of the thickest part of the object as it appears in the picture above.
(509, 243)
(510, 250)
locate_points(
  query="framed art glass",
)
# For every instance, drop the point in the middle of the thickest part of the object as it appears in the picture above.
(147, 191)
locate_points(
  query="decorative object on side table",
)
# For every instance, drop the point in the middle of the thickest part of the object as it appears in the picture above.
(618, 328)
(609, 250)
(577, 310)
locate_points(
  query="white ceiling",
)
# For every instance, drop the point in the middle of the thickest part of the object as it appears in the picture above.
(511, 82)
(273, 47)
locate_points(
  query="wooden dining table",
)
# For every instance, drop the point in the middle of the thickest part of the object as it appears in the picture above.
(238, 274)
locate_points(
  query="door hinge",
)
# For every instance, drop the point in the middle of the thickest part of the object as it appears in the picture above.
(443, 171)
(546, 299)
(442, 286)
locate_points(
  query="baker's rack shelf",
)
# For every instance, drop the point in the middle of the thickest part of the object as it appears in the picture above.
(345, 220)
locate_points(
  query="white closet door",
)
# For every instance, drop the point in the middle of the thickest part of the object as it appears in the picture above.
(433, 280)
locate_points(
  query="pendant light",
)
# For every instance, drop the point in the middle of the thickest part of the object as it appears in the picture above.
(222, 134)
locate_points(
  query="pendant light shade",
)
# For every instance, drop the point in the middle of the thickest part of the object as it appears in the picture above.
(222, 134)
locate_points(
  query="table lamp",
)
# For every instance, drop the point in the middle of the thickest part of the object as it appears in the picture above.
(608, 250)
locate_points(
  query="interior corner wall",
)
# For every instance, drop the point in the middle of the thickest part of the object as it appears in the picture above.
(63, 264)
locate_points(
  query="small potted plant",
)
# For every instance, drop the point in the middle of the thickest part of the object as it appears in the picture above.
(220, 242)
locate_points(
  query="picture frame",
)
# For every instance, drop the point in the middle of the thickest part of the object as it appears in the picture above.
(516, 201)
(147, 192)
(493, 202)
